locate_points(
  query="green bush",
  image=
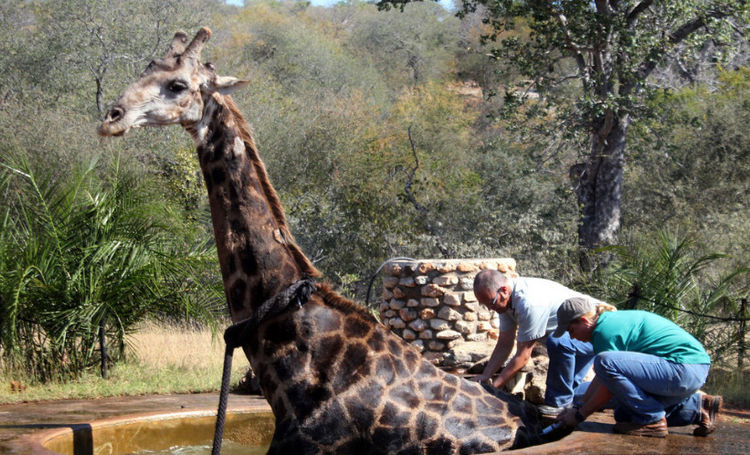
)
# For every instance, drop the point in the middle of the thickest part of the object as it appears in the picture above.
(88, 249)
(671, 275)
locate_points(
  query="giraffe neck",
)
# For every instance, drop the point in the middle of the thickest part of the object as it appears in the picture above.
(257, 254)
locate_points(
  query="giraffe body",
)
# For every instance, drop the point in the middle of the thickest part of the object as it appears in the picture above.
(336, 379)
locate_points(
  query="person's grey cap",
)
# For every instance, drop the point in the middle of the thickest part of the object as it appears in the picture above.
(569, 311)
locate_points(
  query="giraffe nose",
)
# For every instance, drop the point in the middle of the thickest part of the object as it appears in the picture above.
(115, 114)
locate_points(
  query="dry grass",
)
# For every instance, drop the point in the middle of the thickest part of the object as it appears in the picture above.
(161, 359)
(156, 346)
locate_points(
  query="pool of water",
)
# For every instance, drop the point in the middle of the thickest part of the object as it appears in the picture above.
(227, 448)
(189, 433)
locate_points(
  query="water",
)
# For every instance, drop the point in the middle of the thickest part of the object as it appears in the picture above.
(227, 448)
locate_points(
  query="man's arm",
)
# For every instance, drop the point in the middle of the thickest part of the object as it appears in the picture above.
(595, 398)
(519, 360)
(499, 355)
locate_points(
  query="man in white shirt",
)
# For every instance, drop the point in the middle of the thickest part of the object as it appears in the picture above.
(529, 306)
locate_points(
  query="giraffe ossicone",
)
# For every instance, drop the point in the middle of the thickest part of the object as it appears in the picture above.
(336, 379)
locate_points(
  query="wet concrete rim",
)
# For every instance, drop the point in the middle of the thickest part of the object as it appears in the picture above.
(35, 444)
(25, 427)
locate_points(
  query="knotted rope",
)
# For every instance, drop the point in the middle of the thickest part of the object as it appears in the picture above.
(239, 334)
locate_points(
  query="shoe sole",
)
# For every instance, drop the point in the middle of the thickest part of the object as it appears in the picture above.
(649, 433)
(658, 434)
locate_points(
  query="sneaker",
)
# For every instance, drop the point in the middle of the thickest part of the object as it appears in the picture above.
(656, 429)
(549, 411)
(710, 407)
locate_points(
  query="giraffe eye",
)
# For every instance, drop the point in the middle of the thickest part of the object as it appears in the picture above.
(177, 86)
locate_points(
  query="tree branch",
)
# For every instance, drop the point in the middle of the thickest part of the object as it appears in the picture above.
(632, 16)
(580, 61)
(446, 252)
(654, 57)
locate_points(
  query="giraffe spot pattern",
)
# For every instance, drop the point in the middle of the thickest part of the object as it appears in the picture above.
(376, 342)
(439, 446)
(361, 414)
(284, 368)
(411, 450)
(327, 427)
(393, 416)
(281, 331)
(371, 394)
(426, 426)
(218, 176)
(356, 327)
(237, 294)
(405, 395)
(248, 261)
(327, 351)
(475, 446)
(390, 439)
(462, 403)
(431, 390)
(353, 367)
(304, 405)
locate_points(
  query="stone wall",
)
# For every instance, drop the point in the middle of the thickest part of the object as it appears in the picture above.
(430, 304)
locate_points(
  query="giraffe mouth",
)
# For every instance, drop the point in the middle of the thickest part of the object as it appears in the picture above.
(107, 129)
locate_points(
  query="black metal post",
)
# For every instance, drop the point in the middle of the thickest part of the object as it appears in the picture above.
(103, 349)
(743, 331)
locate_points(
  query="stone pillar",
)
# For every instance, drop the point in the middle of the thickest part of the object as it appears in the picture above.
(430, 303)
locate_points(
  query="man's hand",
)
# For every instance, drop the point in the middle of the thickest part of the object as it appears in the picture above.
(482, 379)
(570, 416)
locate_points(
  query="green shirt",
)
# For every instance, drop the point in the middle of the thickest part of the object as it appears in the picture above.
(648, 333)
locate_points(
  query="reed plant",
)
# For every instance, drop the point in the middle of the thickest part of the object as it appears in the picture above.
(86, 254)
(672, 275)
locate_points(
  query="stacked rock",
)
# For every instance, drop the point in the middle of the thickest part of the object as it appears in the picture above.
(431, 304)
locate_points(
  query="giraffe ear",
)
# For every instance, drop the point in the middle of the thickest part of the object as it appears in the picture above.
(226, 84)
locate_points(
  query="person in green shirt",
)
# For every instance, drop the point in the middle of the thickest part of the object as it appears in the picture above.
(650, 366)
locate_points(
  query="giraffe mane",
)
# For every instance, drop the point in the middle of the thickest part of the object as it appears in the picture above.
(273, 198)
(335, 300)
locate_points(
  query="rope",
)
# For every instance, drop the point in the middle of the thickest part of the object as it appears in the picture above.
(237, 335)
(375, 275)
(700, 315)
(223, 399)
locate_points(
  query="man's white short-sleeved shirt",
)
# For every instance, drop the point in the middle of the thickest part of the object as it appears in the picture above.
(533, 307)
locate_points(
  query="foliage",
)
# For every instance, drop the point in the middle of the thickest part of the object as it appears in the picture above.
(85, 252)
(296, 54)
(609, 49)
(670, 276)
(71, 49)
(406, 48)
(691, 166)
(379, 142)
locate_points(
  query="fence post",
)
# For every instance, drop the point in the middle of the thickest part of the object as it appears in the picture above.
(103, 348)
(741, 345)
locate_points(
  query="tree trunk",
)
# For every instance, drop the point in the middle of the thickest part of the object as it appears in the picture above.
(599, 183)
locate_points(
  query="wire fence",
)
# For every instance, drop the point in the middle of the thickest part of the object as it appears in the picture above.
(724, 340)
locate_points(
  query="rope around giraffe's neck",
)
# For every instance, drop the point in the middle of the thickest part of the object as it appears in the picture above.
(238, 335)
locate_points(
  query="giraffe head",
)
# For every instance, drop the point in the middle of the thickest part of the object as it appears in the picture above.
(172, 89)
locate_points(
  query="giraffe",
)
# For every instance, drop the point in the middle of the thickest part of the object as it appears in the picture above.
(336, 379)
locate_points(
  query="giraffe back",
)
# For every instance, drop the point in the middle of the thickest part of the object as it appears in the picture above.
(338, 381)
